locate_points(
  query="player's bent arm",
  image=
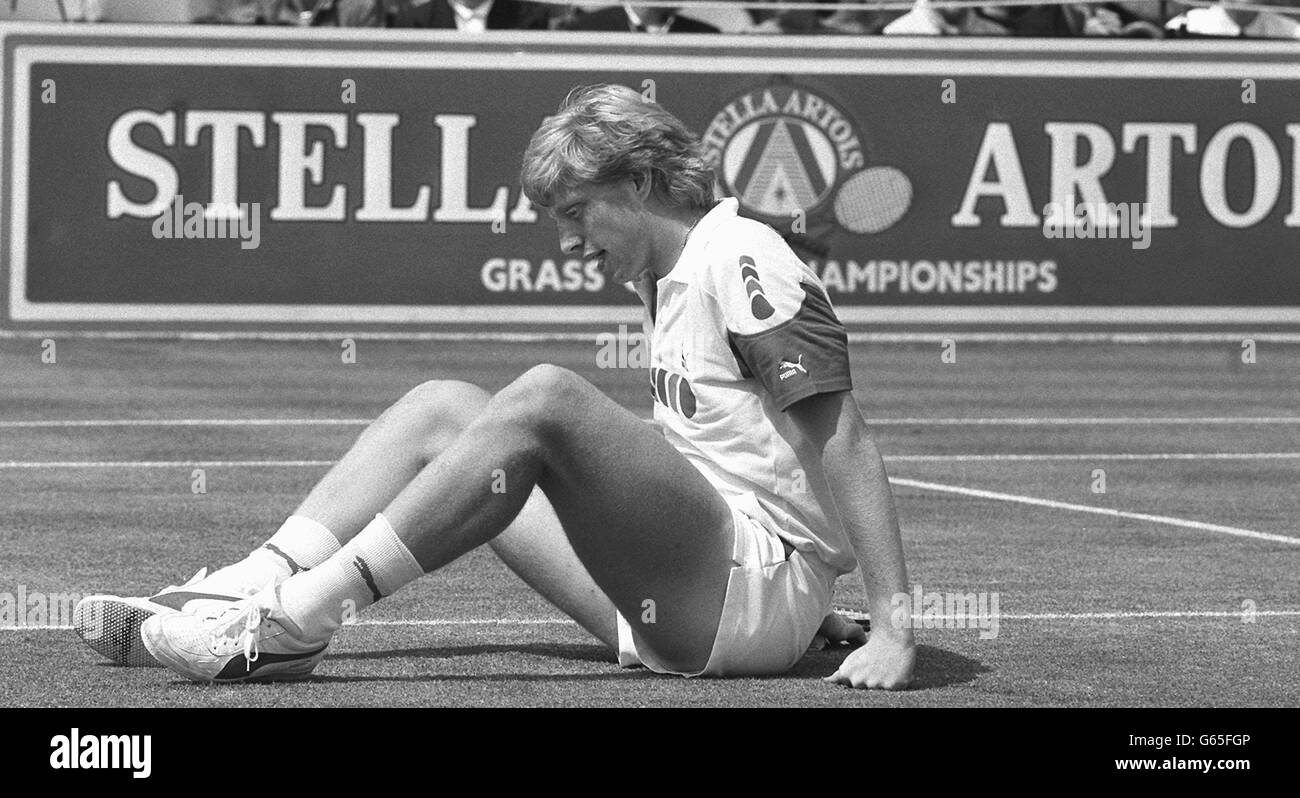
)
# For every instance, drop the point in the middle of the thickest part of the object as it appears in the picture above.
(859, 487)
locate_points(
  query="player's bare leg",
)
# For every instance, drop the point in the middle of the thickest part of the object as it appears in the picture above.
(386, 456)
(644, 523)
(399, 444)
(390, 452)
(537, 549)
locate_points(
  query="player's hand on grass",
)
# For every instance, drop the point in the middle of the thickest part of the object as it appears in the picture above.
(885, 662)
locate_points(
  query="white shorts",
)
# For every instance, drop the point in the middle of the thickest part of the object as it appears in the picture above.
(774, 605)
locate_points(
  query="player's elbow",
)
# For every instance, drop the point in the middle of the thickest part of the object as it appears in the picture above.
(851, 432)
(852, 450)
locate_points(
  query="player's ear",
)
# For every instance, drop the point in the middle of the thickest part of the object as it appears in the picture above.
(642, 184)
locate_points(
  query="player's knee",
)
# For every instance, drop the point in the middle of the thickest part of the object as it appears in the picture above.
(548, 386)
(541, 395)
(442, 409)
(449, 391)
(447, 398)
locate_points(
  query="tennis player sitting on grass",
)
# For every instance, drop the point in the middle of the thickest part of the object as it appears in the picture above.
(734, 513)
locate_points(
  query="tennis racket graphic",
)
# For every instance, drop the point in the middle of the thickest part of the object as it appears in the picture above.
(873, 200)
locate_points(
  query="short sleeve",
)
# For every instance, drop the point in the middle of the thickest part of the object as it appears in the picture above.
(780, 325)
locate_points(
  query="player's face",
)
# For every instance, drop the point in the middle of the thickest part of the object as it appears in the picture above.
(605, 223)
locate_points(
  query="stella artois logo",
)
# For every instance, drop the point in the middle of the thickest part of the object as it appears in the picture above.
(786, 152)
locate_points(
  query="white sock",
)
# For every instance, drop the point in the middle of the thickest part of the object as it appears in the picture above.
(372, 565)
(300, 544)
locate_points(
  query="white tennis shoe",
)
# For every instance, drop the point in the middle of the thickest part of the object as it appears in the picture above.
(111, 624)
(244, 641)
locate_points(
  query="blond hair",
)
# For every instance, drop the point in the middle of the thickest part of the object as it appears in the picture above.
(607, 132)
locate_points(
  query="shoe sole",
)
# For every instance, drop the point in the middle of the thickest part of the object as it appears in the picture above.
(269, 667)
(111, 626)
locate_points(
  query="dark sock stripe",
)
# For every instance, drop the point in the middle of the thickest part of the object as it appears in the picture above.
(366, 575)
(294, 567)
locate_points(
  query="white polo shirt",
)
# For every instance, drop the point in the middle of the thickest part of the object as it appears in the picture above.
(743, 330)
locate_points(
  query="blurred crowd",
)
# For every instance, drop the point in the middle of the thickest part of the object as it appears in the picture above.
(1123, 18)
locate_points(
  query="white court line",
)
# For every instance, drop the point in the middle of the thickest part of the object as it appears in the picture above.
(1083, 508)
(892, 458)
(400, 622)
(1040, 616)
(1138, 338)
(187, 422)
(1115, 615)
(1105, 616)
(1028, 421)
(166, 463)
(1088, 456)
(1047, 421)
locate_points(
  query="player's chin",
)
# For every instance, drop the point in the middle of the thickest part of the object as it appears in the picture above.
(637, 276)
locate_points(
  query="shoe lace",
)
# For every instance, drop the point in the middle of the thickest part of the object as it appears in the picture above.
(240, 629)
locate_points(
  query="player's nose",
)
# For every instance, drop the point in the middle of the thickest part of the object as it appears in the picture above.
(570, 242)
